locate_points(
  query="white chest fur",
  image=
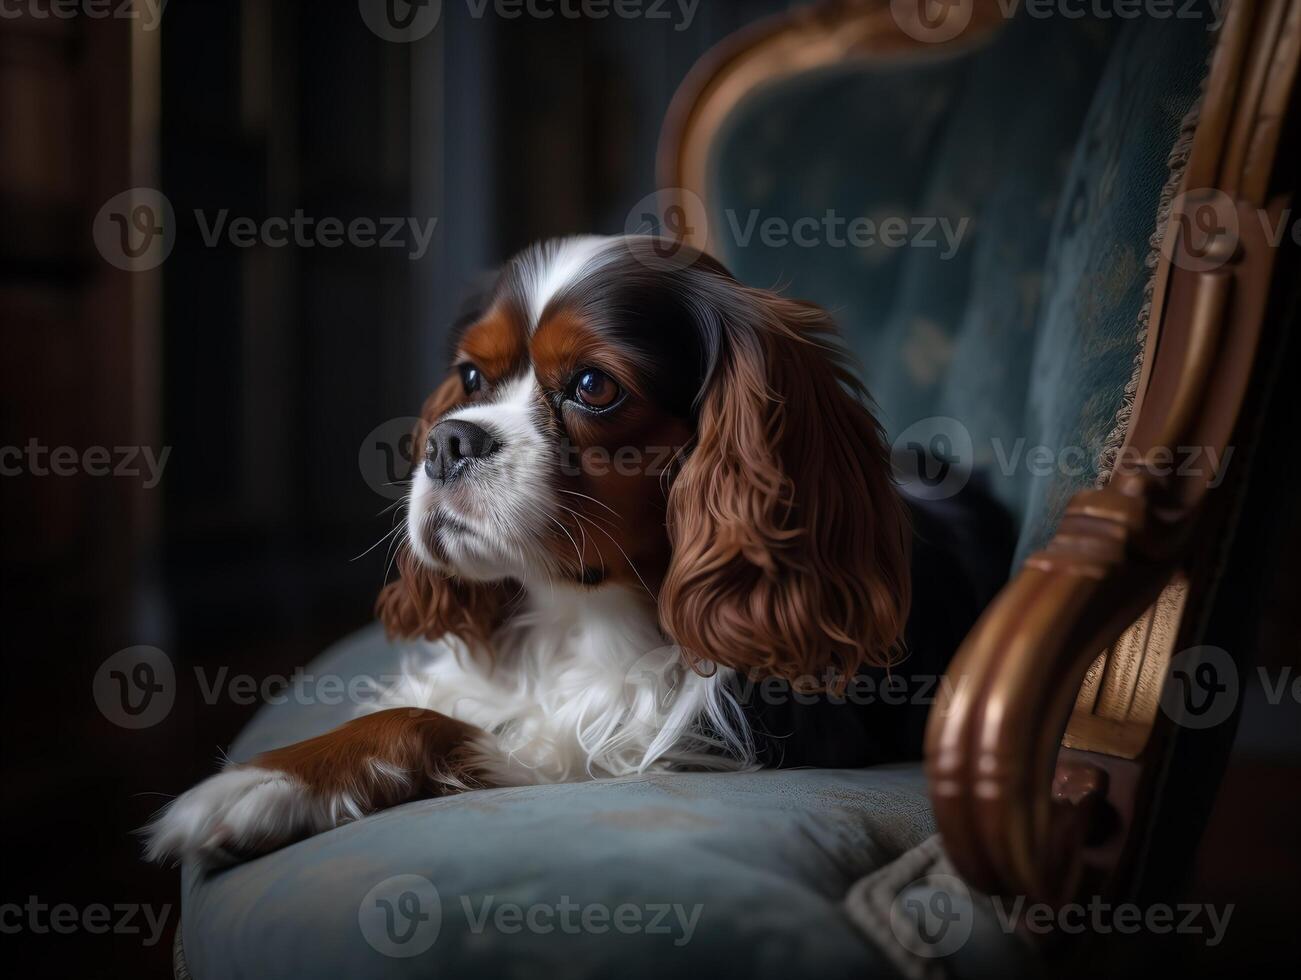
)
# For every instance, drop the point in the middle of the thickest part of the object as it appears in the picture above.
(583, 686)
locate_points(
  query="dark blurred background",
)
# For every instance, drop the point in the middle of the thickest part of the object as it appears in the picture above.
(262, 369)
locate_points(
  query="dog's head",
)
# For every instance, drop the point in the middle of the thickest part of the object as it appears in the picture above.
(611, 417)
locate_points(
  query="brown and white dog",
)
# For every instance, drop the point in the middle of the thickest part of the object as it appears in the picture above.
(644, 484)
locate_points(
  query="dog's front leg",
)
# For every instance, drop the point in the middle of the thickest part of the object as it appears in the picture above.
(372, 762)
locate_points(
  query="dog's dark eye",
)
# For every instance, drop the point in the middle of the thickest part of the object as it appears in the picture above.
(471, 378)
(596, 389)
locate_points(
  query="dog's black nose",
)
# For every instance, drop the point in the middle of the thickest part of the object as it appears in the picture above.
(452, 444)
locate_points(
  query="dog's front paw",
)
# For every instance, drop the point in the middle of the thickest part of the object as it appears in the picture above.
(234, 815)
(372, 762)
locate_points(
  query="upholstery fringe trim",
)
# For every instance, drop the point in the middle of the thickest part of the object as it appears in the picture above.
(1177, 162)
(180, 969)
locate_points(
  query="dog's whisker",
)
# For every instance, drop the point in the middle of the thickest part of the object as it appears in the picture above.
(629, 560)
(595, 544)
(396, 544)
(562, 527)
(600, 519)
(394, 530)
(598, 503)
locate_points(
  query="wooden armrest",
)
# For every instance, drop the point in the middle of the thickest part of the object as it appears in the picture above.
(1019, 815)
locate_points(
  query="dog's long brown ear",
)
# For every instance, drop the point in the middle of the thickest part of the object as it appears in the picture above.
(424, 603)
(790, 542)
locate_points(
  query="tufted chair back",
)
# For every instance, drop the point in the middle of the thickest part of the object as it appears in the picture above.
(1012, 184)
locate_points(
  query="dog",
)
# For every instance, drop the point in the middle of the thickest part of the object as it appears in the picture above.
(655, 528)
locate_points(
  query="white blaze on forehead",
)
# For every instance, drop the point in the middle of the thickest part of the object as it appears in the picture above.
(509, 413)
(504, 500)
(547, 270)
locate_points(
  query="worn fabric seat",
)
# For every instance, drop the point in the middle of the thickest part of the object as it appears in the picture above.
(740, 874)
(1051, 138)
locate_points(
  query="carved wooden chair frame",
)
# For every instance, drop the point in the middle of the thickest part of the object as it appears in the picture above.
(1037, 733)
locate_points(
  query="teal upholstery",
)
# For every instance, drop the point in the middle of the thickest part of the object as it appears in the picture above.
(755, 863)
(1096, 268)
(1051, 138)
(1047, 144)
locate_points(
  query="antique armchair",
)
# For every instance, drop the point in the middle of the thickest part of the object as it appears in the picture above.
(1114, 295)
(1050, 763)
